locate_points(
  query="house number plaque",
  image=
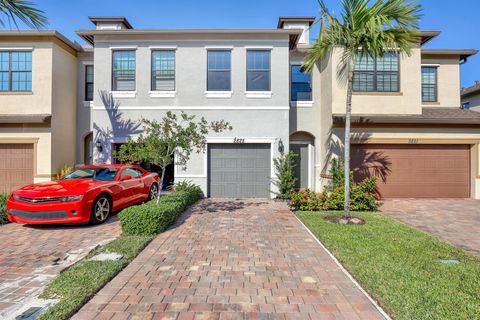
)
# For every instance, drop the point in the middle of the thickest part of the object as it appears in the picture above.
(238, 140)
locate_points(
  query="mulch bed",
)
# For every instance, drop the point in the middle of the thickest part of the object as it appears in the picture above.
(343, 220)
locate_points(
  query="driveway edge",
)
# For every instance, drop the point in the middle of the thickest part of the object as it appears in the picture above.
(377, 306)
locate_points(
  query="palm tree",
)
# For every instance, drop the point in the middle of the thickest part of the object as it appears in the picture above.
(364, 29)
(12, 11)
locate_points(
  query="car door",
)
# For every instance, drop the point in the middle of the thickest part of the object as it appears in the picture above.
(138, 193)
(127, 188)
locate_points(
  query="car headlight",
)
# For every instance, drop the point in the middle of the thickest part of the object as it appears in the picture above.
(72, 198)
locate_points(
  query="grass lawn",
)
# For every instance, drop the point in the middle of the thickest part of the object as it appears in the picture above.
(77, 284)
(400, 268)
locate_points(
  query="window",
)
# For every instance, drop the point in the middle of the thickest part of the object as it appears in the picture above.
(377, 75)
(429, 84)
(219, 69)
(258, 70)
(163, 70)
(301, 85)
(88, 83)
(123, 70)
(16, 71)
(466, 105)
(132, 172)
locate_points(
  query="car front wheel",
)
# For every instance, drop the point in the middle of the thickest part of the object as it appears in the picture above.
(101, 210)
(153, 193)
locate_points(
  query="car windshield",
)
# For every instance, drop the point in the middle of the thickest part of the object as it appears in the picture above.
(102, 174)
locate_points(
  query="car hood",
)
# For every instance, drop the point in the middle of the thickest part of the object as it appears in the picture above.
(59, 188)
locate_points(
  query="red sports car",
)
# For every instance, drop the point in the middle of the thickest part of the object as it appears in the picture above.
(89, 194)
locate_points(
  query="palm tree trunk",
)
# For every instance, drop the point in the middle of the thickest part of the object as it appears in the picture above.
(162, 177)
(348, 111)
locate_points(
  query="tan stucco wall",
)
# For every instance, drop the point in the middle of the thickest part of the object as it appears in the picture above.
(25, 134)
(448, 80)
(64, 104)
(408, 101)
(39, 101)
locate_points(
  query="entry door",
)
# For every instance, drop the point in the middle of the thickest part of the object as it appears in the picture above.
(239, 170)
(301, 165)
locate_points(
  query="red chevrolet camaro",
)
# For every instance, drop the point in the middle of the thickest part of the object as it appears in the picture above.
(89, 194)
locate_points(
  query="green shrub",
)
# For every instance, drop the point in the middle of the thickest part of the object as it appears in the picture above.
(188, 186)
(306, 200)
(284, 175)
(152, 218)
(3, 208)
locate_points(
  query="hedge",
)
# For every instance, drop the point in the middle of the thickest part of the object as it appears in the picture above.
(3, 208)
(151, 218)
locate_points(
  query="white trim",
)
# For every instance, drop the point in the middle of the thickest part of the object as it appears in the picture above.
(430, 65)
(218, 94)
(258, 94)
(246, 139)
(87, 63)
(124, 94)
(310, 163)
(16, 48)
(225, 108)
(186, 176)
(163, 47)
(163, 94)
(300, 142)
(296, 62)
(301, 104)
(349, 276)
(213, 47)
(88, 104)
(259, 47)
(123, 47)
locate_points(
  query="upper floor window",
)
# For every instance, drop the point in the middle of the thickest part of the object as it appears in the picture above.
(163, 70)
(88, 83)
(16, 71)
(301, 84)
(258, 70)
(429, 84)
(123, 70)
(377, 75)
(219, 70)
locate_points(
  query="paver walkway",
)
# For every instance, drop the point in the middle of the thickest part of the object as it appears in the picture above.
(32, 256)
(454, 220)
(232, 259)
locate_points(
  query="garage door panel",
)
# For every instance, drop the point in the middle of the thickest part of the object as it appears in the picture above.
(238, 170)
(415, 171)
(16, 166)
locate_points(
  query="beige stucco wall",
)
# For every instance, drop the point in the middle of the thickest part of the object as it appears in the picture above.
(448, 80)
(407, 101)
(64, 102)
(28, 134)
(39, 101)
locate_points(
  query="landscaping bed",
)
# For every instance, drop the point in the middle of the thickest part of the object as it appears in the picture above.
(401, 267)
(3, 208)
(76, 285)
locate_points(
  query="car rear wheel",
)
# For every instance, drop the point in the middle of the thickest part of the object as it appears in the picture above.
(101, 210)
(153, 193)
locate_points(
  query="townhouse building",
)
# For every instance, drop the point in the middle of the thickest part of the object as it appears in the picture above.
(408, 125)
(471, 97)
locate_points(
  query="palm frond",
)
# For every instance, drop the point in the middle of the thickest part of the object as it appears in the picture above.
(13, 11)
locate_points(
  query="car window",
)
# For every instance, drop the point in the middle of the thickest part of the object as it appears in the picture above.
(134, 173)
(102, 174)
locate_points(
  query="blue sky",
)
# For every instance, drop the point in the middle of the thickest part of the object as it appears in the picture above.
(458, 20)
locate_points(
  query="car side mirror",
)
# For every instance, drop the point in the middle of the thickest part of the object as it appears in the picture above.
(126, 177)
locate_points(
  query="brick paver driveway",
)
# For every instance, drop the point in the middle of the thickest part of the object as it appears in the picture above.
(454, 220)
(239, 259)
(31, 256)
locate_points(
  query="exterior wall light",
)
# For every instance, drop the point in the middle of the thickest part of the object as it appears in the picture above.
(280, 146)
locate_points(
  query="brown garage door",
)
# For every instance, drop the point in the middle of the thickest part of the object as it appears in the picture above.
(415, 171)
(16, 166)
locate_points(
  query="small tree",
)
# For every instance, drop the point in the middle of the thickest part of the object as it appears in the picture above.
(174, 135)
(284, 174)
